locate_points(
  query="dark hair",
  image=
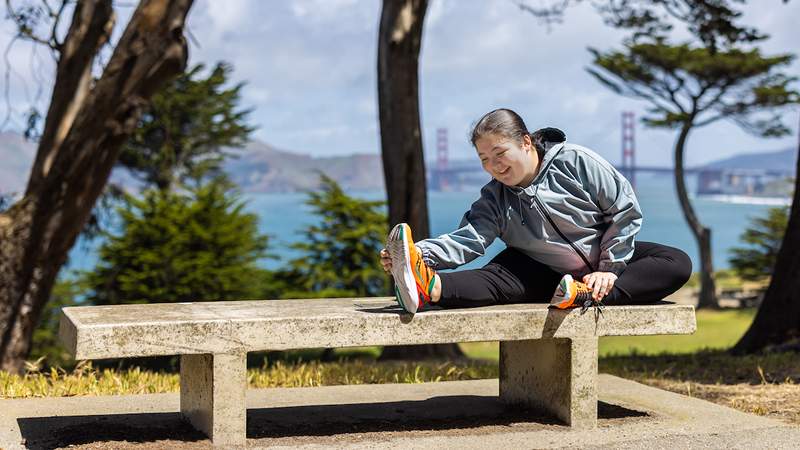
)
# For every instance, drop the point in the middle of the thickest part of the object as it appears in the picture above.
(510, 125)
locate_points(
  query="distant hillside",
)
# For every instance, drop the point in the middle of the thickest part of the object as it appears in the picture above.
(257, 168)
(782, 160)
(262, 168)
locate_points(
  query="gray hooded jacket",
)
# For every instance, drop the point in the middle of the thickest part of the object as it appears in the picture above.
(578, 216)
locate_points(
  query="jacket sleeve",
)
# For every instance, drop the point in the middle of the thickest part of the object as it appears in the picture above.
(614, 195)
(478, 229)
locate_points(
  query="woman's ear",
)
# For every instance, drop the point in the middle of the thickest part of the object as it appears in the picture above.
(527, 143)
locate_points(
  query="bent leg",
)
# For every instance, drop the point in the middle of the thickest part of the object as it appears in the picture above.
(654, 272)
(511, 277)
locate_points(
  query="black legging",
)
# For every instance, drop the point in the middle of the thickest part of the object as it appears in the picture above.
(653, 272)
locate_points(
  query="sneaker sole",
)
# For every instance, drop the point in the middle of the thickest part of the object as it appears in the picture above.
(561, 302)
(405, 284)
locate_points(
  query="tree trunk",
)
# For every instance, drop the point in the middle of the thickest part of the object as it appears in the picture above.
(83, 133)
(399, 41)
(708, 295)
(778, 318)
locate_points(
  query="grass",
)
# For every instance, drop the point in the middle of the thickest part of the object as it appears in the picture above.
(88, 380)
(715, 330)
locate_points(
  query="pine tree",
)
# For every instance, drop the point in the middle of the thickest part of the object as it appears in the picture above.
(763, 238)
(197, 245)
(340, 251)
(688, 87)
(183, 133)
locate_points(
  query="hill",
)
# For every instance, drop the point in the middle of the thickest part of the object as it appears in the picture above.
(258, 167)
(781, 160)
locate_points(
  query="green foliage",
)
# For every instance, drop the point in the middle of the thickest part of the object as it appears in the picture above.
(763, 240)
(177, 247)
(46, 345)
(693, 86)
(340, 251)
(180, 135)
(713, 22)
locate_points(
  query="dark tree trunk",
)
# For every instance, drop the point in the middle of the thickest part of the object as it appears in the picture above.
(84, 130)
(399, 40)
(708, 296)
(778, 318)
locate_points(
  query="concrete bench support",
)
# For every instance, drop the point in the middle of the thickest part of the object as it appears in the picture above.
(213, 388)
(558, 376)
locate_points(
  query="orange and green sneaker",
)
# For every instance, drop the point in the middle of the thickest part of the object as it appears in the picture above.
(572, 294)
(412, 278)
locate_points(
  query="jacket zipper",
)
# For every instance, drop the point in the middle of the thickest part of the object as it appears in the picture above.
(541, 208)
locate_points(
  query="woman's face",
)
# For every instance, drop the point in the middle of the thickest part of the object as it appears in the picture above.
(506, 160)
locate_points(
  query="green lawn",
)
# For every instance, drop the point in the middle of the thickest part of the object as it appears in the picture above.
(715, 330)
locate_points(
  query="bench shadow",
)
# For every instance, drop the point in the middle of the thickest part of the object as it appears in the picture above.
(433, 414)
(64, 431)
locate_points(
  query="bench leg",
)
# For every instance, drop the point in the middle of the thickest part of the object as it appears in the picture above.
(213, 389)
(558, 376)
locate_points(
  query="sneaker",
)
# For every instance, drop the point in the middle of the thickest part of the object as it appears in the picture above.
(413, 279)
(571, 294)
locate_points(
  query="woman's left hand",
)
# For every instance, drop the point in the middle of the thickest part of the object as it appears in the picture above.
(600, 283)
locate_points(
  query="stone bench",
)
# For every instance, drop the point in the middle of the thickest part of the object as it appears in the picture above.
(548, 358)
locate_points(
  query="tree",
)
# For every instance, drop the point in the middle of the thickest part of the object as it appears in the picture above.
(689, 87)
(712, 22)
(777, 321)
(399, 42)
(179, 247)
(763, 238)
(85, 126)
(181, 134)
(339, 253)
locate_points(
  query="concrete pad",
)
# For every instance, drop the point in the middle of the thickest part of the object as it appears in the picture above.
(119, 331)
(462, 414)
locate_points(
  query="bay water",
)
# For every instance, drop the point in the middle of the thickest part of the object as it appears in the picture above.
(284, 216)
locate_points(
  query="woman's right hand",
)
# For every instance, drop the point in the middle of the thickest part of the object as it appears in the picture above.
(386, 260)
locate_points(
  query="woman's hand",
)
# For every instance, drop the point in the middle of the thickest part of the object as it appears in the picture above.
(386, 260)
(600, 283)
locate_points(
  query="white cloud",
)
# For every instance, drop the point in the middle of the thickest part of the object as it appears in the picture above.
(310, 68)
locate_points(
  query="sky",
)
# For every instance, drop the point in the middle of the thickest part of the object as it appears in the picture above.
(309, 68)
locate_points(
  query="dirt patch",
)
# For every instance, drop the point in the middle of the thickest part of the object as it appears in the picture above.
(776, 401)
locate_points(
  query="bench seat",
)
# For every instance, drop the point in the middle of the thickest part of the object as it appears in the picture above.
(548, 358)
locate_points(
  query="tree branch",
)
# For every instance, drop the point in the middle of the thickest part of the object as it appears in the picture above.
(90, 29)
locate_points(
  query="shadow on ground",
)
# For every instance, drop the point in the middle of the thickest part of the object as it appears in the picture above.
(434, 414)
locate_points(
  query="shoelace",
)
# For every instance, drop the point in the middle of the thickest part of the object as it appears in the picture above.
(589, 302)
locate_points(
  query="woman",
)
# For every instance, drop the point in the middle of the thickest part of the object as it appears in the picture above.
(564, 213)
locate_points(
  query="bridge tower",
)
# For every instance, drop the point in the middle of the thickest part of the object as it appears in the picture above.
(628, 147)
(441, 158)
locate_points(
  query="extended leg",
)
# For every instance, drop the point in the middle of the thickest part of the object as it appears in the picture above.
(213, 389)
(558, 376)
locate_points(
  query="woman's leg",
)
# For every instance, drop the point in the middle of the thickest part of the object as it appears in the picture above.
(511, 277)
(654, 272)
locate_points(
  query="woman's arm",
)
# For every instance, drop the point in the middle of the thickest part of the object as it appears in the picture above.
(614, 195)
(478, 229)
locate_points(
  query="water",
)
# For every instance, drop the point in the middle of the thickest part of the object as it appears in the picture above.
(283, 216)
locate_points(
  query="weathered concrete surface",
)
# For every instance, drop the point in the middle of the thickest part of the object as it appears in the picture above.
(213, 391)
(233, 327)
(464, 414)
(558, 376)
